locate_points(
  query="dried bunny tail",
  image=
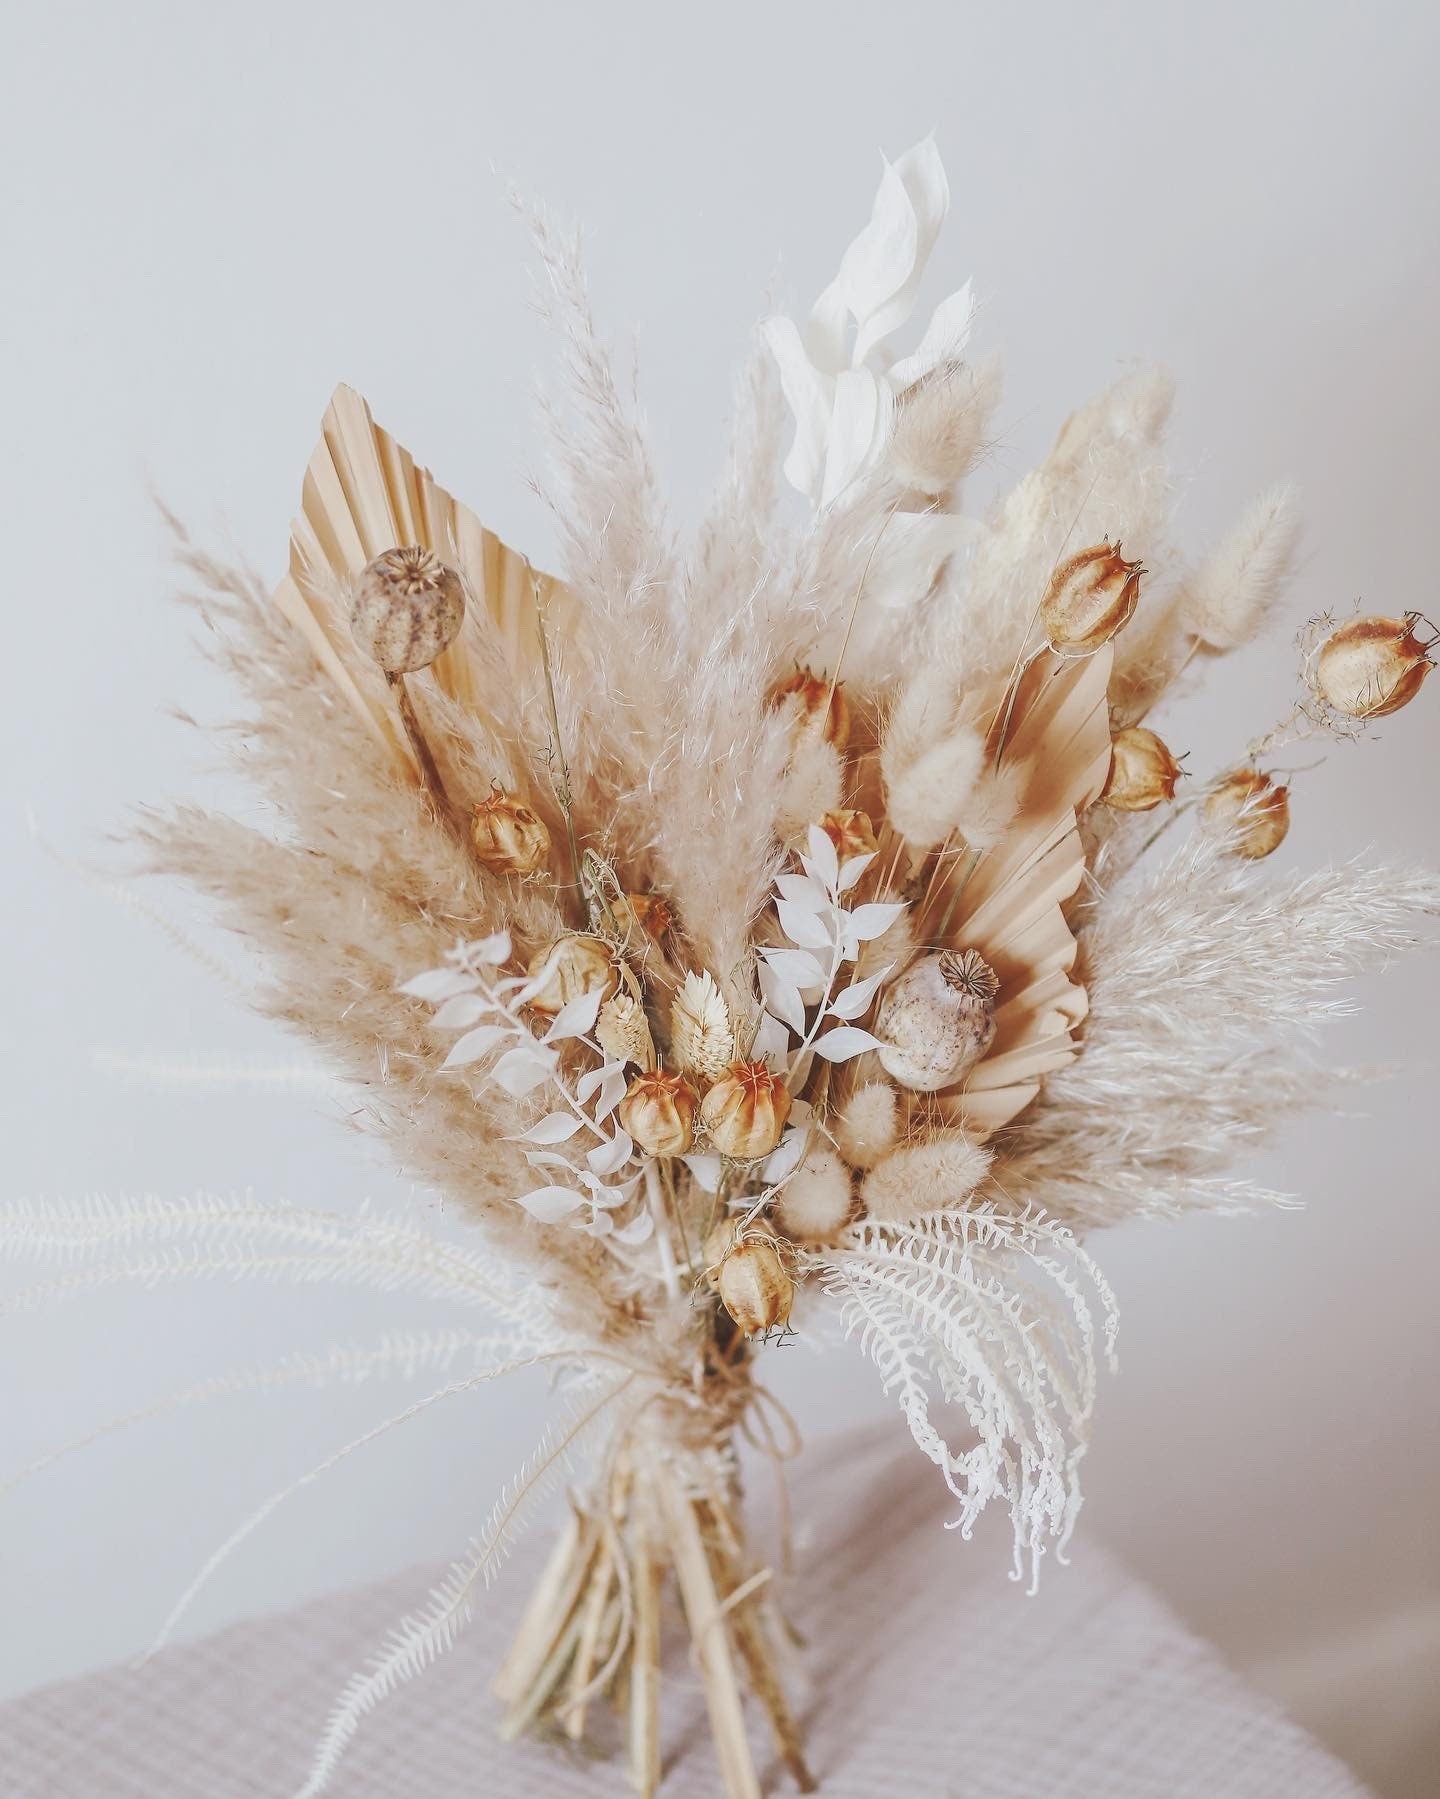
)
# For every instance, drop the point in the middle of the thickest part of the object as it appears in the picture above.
(926, 796)
(990, 808)
(813, 784)
(1207, 979)
(422, 1637)
(930, 1175)
(1223, 604)
(941, 425)
(867, 1124)
(1237, 586)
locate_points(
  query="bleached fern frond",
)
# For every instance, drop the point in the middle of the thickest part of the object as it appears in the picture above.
(209, 1234)
(422, 1637)
(991, 1313)
(213, 1074)
(249, 1525)
(399, 1355)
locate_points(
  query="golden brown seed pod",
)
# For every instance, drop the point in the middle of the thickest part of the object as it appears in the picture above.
(937, 1019)
(817, 703)
(508, 836)
(745, 1111)
(1251, 810)
(754, 1284)
(852, 833)
(651, 912)
(408, 607)
(570, 967)
(719, 1241)
(1372, 666)
(658, 1111)
(1091, 596)
(1142, 771)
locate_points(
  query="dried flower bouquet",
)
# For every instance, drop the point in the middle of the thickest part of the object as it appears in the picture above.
(778, 921)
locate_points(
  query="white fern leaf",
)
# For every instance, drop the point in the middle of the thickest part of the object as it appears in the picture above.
(422, 1637)
(399, 1355)
(249, 1525)
(990, 1312)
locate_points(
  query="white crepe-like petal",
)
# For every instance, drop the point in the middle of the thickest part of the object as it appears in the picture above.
(880, 262)
(944, 341)
(922, 176)
(859, 427)
(809, 394)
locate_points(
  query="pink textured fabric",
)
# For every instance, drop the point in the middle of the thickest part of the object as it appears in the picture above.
(930, 1675)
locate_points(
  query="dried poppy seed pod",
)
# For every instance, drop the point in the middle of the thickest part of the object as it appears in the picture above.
(508, 836)
(754, 1284)
(1372, 666)
(569, 968)
(818, 703)
(658, 1111)
(1142, 771)
(852, 833)
(1253, 812)
(937, 1019)
(408, 608)
(1091, 596)
(745, 1111)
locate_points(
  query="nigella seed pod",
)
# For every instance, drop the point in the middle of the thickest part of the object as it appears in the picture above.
(1091, 596)
(569, 968)
(658, 1111)
(754, 1284)
(852, 833)
(1251, 810)
(1372, 666)
(508, 836)
(937, 1019)
(719, 1241)
(818, 705)
(651, 912)
(408, 607)
(745, 1111)
(1142, 771)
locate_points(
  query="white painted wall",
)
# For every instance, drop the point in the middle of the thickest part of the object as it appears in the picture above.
(214, 213)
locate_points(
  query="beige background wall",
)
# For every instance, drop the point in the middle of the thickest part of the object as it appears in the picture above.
(214, 213)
